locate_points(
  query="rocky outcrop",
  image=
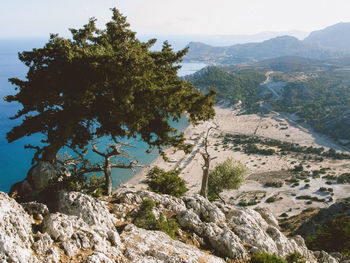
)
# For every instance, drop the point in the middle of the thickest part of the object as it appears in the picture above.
(230, 231)
(84, 229)
(154, 246)
(15, 232)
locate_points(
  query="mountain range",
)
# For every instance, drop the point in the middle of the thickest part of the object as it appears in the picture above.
(331, 42)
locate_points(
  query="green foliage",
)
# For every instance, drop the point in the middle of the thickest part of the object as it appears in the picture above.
(249, 203)
(333, 236)
(160, 181)
(297, 169)
(271, 199)
(226, 175)
(234, 87)
(169, 226)
(285, 147)
(344, 178)
(266, 258)
(252, 148)
(311, 198)
(104, 83)
(295, 258)
(319, 100)
(274, 184)
(144, 218)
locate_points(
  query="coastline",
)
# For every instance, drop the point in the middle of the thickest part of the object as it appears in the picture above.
(261, 168)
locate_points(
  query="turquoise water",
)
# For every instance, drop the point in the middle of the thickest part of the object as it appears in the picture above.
(14, 159)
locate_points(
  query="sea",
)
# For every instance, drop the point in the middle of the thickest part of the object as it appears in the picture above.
(15, 160)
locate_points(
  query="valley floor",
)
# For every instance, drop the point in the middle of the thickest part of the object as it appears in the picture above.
(262, 169)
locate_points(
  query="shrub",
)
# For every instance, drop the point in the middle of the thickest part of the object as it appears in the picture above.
(160, 181)
(226, 175)
(307, 186)
(270, 199)
(298, 168)
(144, 218)
(245, 203)
(265, 258)
(295, 258)
(274, 184)
(344, 178)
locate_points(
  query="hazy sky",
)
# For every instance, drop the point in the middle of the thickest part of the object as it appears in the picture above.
(41, 17)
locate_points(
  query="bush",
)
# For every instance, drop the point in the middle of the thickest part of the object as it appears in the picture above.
(344, 178)
(245, 203)
(226, 175)
(295, 258)
(266, 258)
(144, 218)
(270, 199)
(274, 184)
(162, 182)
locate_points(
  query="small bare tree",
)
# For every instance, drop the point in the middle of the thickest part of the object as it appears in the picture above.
(81, 165)
(207, 158)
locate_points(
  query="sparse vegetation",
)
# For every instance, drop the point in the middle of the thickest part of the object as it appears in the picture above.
(249, 203)
(333, 236)
(144, 218)
(266, 258)
(249, 145)
(271, 199)
(274, 184)
(160, 181)
(344, 178)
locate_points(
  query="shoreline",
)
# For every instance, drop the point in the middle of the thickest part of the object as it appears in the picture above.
(261, 167)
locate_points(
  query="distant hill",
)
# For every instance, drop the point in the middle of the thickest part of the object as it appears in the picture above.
(275, 47)
(336, 37)
(231, 87)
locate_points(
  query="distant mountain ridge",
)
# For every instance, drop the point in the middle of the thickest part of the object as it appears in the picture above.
(328, 43)
(336, 36)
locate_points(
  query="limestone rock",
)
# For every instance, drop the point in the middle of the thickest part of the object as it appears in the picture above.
(154, 246)
(98, 258)
(90, 210)
(75, 235)
(35, 209)
(15, 232)
(42, 243)
(203, 208)
(324, 257)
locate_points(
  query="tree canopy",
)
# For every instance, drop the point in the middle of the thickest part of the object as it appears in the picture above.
(229, 174)
(104, 83)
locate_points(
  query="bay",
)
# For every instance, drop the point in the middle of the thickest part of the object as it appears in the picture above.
(15, 161)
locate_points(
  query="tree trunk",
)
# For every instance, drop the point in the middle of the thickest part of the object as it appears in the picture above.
(205, 178)
(50, 152)
(108, 176)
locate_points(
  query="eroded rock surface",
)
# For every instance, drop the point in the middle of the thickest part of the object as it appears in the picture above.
(84, 230)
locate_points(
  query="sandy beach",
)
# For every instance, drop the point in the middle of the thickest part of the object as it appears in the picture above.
(274, 126)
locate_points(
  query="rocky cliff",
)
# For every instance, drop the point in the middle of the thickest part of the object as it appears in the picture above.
(85, 229)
